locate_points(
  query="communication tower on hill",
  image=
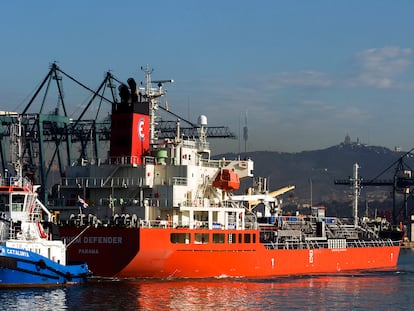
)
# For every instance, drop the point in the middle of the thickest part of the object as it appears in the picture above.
(245, 133)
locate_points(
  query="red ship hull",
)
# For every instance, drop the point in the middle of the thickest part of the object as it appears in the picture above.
(150, 253)
(109, 249)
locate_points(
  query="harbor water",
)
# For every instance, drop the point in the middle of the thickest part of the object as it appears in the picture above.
(378, 290)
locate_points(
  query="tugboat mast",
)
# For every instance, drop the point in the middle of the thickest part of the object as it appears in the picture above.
(17, 152)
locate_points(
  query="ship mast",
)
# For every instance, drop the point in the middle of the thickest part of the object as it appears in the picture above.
(356, 187)
(153, 95)
(17, 143)
(16, 150)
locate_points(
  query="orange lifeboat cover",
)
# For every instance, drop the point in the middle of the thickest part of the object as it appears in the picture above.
(227, 180)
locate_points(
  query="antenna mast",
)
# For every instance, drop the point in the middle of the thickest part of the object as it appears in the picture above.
(17, 161)
(356, 187)
(245, 133)
(153, 95)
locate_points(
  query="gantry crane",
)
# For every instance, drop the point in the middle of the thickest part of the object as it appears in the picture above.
(401, 184)
(54, 140)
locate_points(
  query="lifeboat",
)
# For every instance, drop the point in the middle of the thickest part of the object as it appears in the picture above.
(227, 180)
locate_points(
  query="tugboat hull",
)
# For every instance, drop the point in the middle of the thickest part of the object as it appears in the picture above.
(22, 268)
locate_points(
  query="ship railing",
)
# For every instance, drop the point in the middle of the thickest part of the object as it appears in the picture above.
(120, 160)
(371, 243)
(215, 163)
(16, 232)
(295, 244)
(189, 143)
(101, 182)
(196, 144)
(12, 232)
(366, 228)
(197, 224)
(315, 244)
(204, 202)
(131, 160)
(163, 223)
(73, 204)
(16, 181)
(203, 146)
(155, 223)
(179, 181)
(210, 163)
(338, 228)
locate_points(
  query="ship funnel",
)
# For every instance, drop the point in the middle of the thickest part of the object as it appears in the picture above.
(133, 86)
(124, 93)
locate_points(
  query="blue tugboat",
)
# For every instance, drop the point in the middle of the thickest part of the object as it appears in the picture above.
(31, 251)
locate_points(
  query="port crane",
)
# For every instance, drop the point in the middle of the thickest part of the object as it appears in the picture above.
(401, 183)
(54, 140)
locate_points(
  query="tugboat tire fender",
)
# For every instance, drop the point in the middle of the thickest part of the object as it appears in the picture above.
(40, 265)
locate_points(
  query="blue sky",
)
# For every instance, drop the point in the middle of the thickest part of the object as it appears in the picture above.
(306, 73)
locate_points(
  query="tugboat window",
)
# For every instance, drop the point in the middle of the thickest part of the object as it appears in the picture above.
(17, 202)
(4, 203)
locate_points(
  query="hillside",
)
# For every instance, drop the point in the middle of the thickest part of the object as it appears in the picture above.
(318, 169)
